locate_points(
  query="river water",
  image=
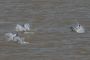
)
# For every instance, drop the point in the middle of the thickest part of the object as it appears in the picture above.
(50, 20)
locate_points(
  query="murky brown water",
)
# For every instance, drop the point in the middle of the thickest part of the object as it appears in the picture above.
(50, 20)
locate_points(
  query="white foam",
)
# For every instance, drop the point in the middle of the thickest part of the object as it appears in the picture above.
(13, 37)
(78, 28)
(24, 28)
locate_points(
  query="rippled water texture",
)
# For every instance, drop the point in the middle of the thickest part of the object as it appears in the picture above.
(50, 20)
